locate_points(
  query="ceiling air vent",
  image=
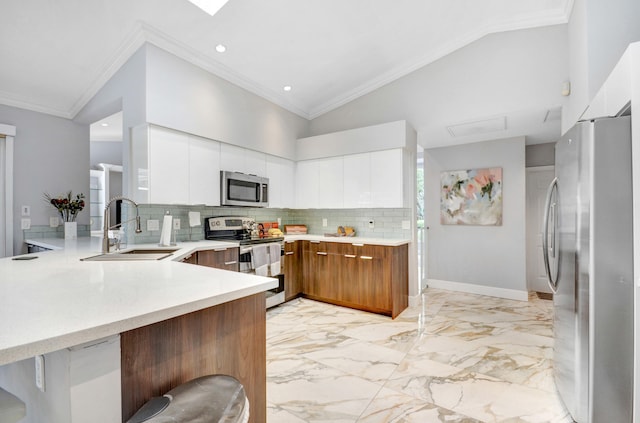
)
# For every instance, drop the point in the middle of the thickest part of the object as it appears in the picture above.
(478, 127)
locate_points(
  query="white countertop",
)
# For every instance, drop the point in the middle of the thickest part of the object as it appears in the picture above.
(57, 301)
(348, 239)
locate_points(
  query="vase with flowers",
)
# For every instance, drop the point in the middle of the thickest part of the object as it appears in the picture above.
(68, 207)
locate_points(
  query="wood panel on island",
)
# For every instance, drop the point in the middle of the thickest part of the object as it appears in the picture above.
(220, 258)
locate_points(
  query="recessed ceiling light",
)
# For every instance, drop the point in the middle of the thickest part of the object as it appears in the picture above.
(209, 6)
(104, 124)
(287, 88)
(220, 48)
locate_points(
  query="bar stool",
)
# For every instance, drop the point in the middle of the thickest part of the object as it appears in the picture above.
(12, 410)
(207, 399)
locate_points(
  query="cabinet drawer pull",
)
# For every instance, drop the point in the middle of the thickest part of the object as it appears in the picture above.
(358, 245)
(314, 242)
(366, 257)
(219, 249)
(321, 253)
(350, 255)
(289, 253)
(229, 263)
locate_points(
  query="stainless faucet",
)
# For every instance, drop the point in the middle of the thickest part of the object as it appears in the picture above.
(106, 242)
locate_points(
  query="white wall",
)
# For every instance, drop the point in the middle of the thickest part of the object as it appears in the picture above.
(599, 32)
(516, 70)
(51, 155)
(105, 152)
(485, 256)
(184, 97)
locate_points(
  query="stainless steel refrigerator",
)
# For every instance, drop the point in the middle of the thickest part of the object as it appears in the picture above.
(588, 255)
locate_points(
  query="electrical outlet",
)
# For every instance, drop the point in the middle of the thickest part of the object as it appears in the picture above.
(153, 225)
(324, 223)
(279, 222)
(54, 222)
(176, 223)
(25, 224)
(372, 224)
(26, 211)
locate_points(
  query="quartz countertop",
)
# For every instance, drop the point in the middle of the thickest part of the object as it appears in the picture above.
(57, 301)
(348, 239)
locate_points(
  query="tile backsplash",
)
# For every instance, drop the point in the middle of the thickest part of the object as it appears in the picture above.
(388, 223)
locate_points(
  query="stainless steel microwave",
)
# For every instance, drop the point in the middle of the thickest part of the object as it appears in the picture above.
(240, 189)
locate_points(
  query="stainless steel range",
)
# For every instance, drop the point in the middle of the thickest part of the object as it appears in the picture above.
(259, 254)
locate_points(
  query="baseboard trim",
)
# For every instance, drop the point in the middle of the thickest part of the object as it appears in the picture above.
(511, 294)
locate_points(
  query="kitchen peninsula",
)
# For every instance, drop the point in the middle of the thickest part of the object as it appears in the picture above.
(115, 333)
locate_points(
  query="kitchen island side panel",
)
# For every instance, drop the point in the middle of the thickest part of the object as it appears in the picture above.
(229, 339)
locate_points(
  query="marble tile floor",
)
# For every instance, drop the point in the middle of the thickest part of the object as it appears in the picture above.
(456, 358)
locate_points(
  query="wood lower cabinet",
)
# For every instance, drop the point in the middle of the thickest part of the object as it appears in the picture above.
(367, 277)
(292, 269)
(222, 258)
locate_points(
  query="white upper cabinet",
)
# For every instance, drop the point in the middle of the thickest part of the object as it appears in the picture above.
(281, 174)
(331, 183)
(168, 166)
(204, 171)
(171, 167)
(307, 184)
(387, 189)
(357, 181)
(238, 159)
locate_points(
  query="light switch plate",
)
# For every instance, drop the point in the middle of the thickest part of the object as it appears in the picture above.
(176, 223)
(324, 223)
(153, 225)
(372, 224)
(25, 223)
(54, 222)
(25, 211)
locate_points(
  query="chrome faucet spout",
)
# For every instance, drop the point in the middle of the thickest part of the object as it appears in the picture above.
(107, 224)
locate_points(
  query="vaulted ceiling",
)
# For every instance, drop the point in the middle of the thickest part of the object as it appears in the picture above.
(56, 54)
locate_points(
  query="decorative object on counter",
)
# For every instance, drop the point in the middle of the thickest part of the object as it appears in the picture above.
(68, 207)
(471, 197)
(295, 229)
(165, 234)
(343, 231)
(269, 229)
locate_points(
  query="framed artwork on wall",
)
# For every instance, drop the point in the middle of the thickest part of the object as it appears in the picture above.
(471, 197)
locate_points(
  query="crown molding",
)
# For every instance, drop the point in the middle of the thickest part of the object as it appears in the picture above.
(11, 100)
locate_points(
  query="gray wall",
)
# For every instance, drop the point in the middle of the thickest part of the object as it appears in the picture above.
(515, 70)
(105, 152)
(541, 154)
(51, 156)
(493, 256)
(184, 97)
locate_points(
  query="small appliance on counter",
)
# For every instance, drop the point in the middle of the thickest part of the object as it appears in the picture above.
(295, 229)
(259, 254)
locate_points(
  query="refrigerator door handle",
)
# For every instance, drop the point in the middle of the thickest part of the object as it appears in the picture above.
(546, 250)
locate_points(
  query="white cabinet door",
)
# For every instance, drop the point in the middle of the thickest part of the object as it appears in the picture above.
(238, 159)
(386, 178)
(357, 181)
(168, 166)
(281, 174)
(331, 183)
(204, 171)
(307, 184)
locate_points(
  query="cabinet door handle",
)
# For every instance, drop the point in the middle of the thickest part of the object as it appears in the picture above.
(219, 249)
(366, 257)
(229, 263)
(350, 255)
(358, 245)
(288, 253)
(321, 253)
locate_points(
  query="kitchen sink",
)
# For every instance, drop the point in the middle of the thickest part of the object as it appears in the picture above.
(135, 254)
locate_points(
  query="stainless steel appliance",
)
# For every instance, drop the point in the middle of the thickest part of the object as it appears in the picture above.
(588, 255)
(240, 189)
(245, 231)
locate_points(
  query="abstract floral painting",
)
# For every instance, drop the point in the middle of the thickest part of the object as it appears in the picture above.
(471, 197)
